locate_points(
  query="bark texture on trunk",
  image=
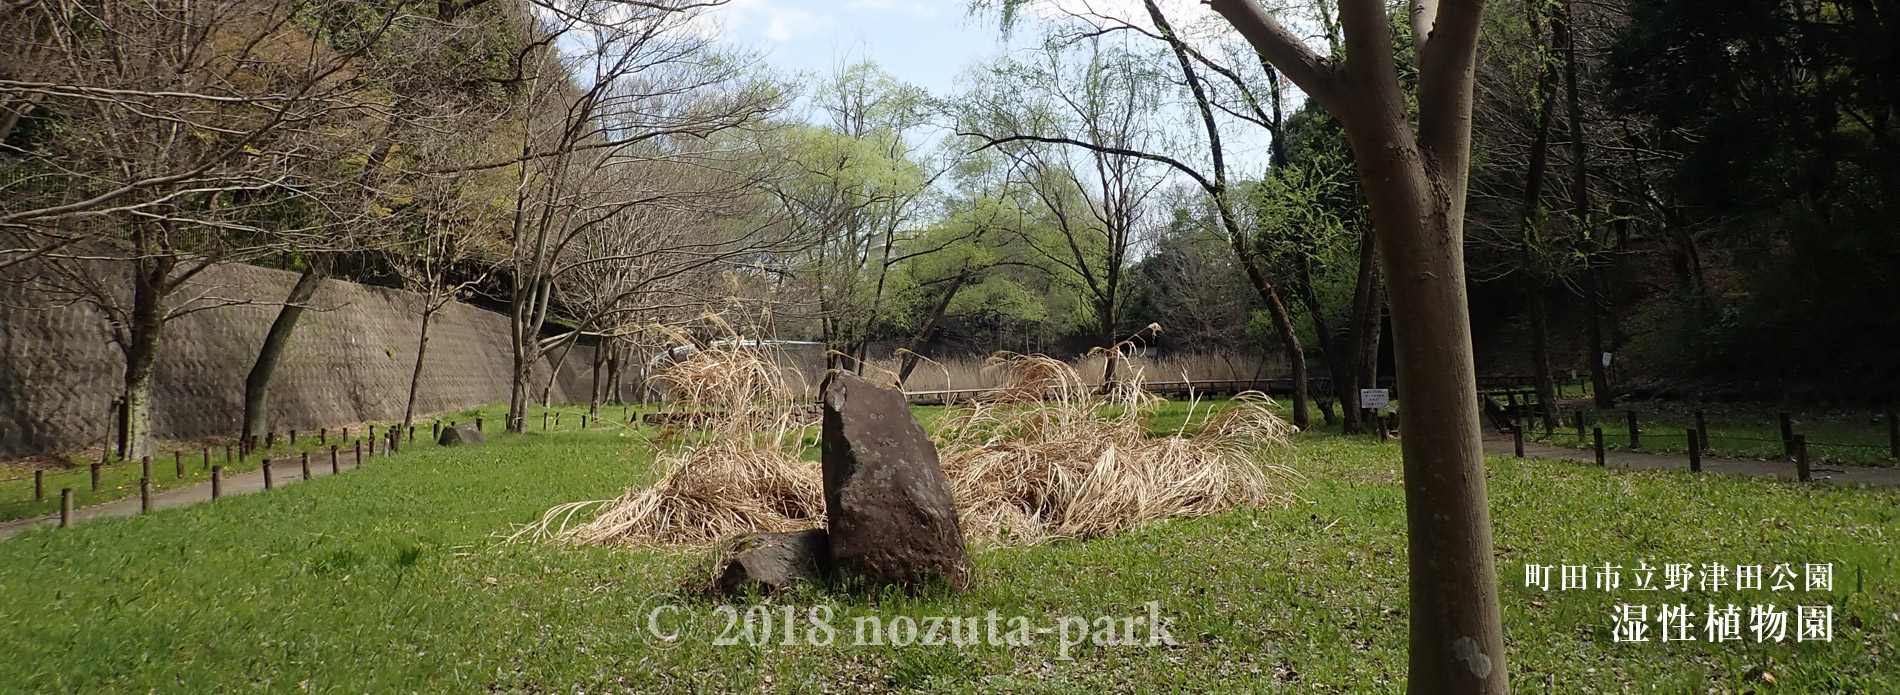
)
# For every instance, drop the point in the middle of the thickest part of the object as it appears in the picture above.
(276, 340)
(1456, 635)
(140, 346)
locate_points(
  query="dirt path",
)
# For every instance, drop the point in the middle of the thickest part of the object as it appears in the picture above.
(1844, 475)
(284, 472)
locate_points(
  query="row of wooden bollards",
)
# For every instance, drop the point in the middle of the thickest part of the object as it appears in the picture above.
(1697, 438)
(392, 437)
(217, 476)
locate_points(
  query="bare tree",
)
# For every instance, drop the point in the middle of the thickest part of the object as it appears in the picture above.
(159, 140)
(640, 88)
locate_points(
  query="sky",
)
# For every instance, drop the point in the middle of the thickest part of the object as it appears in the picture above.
(923, 42)
(927, 43)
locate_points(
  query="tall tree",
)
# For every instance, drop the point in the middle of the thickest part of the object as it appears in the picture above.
(616, 87)
(1076, 125)
(1413, 162)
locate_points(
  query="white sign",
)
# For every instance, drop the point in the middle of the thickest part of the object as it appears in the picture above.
(1375, 399)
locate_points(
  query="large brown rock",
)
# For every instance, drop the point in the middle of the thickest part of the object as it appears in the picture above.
(768, 562)
(887, 503)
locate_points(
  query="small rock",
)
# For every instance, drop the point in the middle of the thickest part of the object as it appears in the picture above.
(464, 433)
(767, 562)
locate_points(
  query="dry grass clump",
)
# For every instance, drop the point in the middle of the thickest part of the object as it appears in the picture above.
(1053, 458)
(1082, 465)
(709, 493)
(737, 471)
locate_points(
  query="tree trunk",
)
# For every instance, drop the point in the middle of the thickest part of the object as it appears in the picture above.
(925, 332)
(554, 367)
(614, 372)
(593, 390)
(1457, 641)
(1415, 183)
(518, 389)
(1528, 219)
(1367, 305)
(1563, 32)
(140, 346)
(257, 383)
(415, 374)
(1336, 364)
(1296, 358)
(1540, 361)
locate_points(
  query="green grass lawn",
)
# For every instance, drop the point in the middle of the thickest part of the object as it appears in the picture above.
(392, 578)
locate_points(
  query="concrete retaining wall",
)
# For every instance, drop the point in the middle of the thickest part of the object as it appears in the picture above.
(348, 361)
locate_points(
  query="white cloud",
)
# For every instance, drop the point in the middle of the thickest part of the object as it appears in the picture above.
(776, 21)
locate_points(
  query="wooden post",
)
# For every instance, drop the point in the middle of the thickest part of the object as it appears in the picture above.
(544, 421)
(1596, 433)
(334, 468)
(39, 485)
(217, 482)
(1379, 423)
(145, 495)
(435, 430)
(267, 480)
(1635, 440)
(1801, 471)
(372, 449)
(178, 457)
(270, 439)
(207, 458)
(306, 465)
(65, 507)
(1893, 434)
(1701, 431)
(323, 435)
(145, 466)
(359, 453)
(412, 433)
(1695, 450)
(478, 423)
(293, 437)
(346, 434)
(1787, 435)
(227, 454)
(1517, 439)
(95, 477)
(1580, 433)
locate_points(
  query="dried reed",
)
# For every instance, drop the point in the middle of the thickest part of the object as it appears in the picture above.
(1053, 457)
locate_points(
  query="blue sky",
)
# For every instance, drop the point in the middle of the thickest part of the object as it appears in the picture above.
(924, 42)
